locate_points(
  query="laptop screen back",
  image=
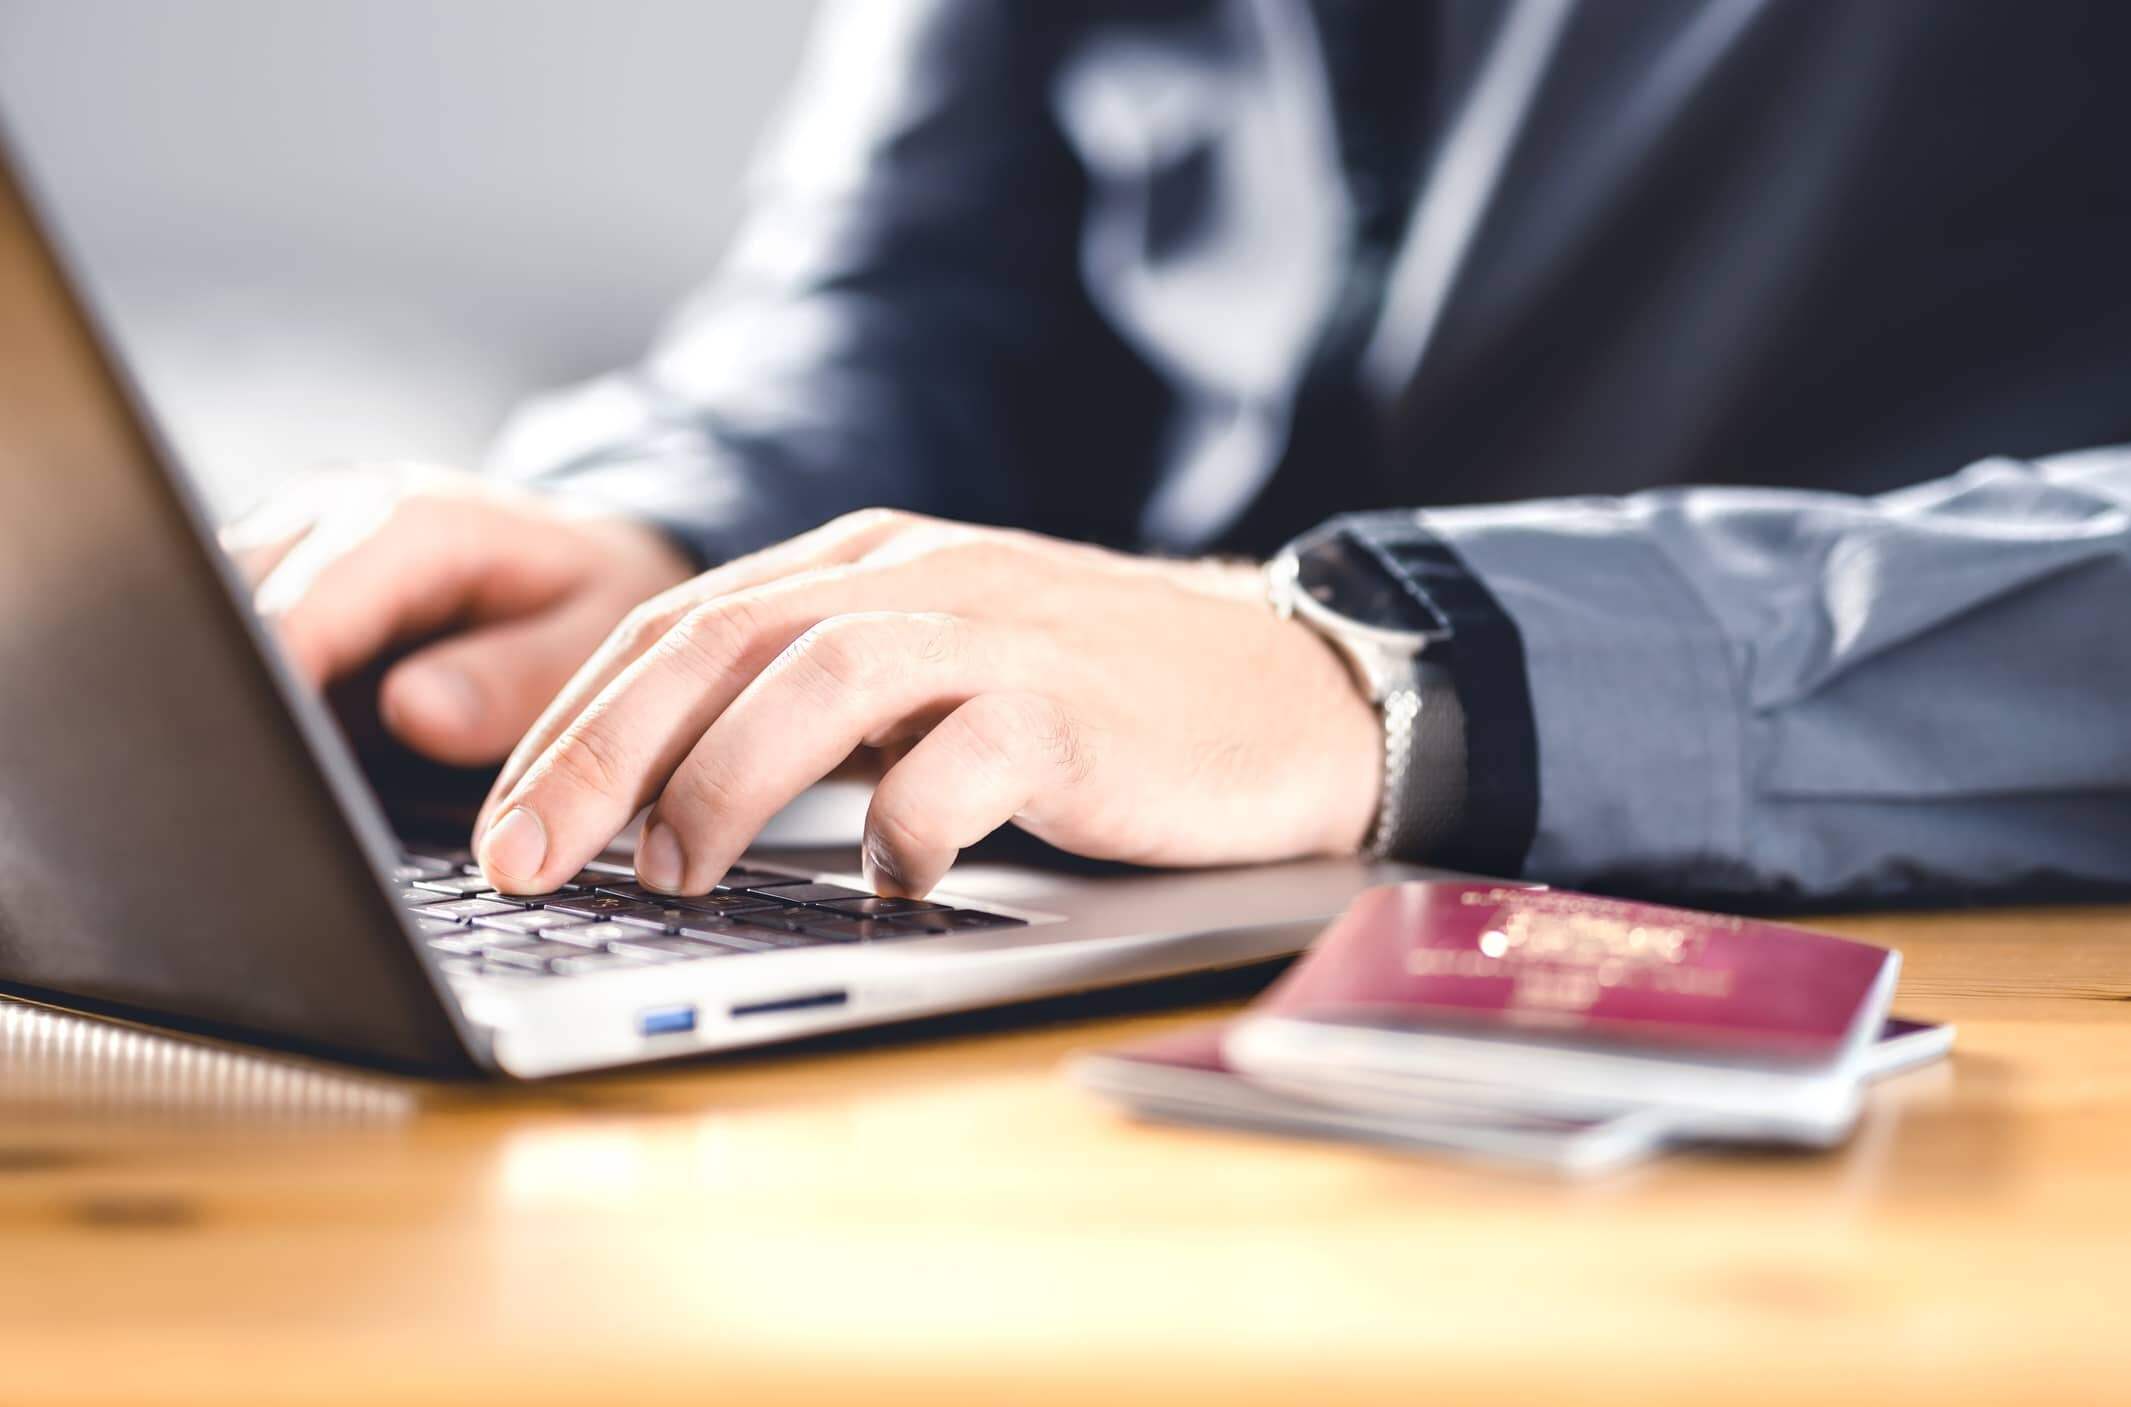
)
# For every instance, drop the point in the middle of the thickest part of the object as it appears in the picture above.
(169, 845)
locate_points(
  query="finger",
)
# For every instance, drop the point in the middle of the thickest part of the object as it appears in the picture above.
(257, 556)
(987, 762)
(852, 678)
(615, 756)
(258, 541)
(468, 699)
(845, 540)
(347, 589)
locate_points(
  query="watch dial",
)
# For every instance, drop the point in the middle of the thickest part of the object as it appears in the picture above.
(1346, 578)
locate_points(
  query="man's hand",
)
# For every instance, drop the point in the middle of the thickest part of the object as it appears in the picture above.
(1114, 706)
(512, 592)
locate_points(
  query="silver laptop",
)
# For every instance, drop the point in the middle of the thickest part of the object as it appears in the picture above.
(187, 838)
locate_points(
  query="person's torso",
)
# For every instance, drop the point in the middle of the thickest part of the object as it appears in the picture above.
(1789, 242)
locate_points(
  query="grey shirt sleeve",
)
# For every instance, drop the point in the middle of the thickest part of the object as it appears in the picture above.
(1798, 696)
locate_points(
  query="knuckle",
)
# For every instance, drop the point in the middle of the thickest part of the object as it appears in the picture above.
(939, 637)
(702, 790)
(713, 637)
(1064, 745)
(972, 550)
(1003, 728)
(868, 519)
(641, 628)
(1225, 760)
(588, 759)
(838, 655)
(992, 729)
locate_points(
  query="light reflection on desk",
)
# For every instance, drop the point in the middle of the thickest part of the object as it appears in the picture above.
(54, 1064)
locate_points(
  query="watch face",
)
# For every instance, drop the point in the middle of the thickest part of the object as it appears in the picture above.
(1343, 576)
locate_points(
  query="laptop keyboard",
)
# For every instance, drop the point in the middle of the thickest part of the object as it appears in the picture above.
(603, 919)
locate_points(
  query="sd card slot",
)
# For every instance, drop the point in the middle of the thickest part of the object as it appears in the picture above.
(799, 1003)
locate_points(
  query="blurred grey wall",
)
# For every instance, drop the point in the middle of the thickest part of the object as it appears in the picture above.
(334, 229)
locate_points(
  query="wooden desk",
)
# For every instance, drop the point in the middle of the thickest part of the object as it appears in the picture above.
(939, 1218)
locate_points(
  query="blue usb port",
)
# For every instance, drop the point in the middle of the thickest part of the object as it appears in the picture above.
(667, 1020)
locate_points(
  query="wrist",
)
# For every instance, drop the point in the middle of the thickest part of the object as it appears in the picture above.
(1350, 771)
(1338, 780)
(1356, 737)
(1332, 582)
(1394, 765)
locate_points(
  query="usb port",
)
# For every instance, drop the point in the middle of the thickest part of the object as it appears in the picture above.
(667, 1020)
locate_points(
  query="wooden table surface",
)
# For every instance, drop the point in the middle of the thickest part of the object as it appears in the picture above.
(935, 1215)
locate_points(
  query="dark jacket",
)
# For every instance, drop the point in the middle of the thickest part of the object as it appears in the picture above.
(1120, 272)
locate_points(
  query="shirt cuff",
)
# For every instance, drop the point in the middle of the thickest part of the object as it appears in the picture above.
(1606, 734)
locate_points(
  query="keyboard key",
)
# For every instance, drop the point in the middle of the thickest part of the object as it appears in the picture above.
(722, 902)
(535, 954)
(524, 921)
(568, 926)
(808, 893)
(467, 910)
(415, 898)
(451, 855)
(566, 891)
(599, 935)
(812, 925)
(713, 903)
(636, 893)
(787, 916)
(431, 927)
(860, 929)
(753, 876)
(469, 942)
(595, 879)
(460, 884)
(877, 906)
(596, 904)
(479, 967)
(413, 868)
(742, 933)
(591, 961)
(668, 947)
(615, 907)
(928, 921)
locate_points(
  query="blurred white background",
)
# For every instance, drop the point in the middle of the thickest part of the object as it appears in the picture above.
(335, 229)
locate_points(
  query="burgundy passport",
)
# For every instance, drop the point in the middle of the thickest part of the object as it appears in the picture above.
(1569, 1005)
(1556, 966)
(1184, 1077)
(1902, 1045)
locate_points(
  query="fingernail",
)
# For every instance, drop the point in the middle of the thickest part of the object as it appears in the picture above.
(658, 858)
(516, 846)
(443, 697)
(878, 866)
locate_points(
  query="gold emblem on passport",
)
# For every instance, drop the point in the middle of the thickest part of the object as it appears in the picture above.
(1565, 950)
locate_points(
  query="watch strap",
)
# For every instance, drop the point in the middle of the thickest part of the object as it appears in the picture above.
(1423, 795)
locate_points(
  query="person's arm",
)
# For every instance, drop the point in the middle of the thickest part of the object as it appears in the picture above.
(1796, 696)
(901, 320)
(1755, 695)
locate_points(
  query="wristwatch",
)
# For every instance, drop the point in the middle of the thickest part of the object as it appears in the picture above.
(1332, 581)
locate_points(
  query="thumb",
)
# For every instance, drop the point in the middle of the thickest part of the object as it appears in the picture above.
(468, 699)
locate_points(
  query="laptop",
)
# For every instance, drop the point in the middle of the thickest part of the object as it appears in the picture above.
(187, 837)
